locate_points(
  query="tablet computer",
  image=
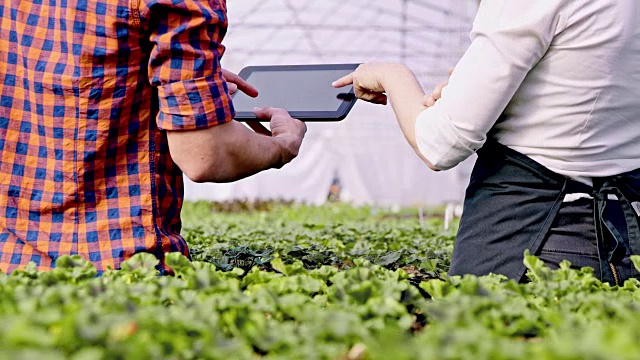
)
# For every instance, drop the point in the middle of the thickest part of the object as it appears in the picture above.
(303, 90)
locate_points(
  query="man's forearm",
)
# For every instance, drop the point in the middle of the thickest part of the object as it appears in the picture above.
(225, 153)
(246, 155)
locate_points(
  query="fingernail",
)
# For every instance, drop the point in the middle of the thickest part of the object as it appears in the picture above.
(257, 109)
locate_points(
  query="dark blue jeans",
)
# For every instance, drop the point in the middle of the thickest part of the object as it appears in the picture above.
(572, 237)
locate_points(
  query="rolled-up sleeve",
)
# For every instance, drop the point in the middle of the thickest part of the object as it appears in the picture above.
(508, 39)
(184, 63)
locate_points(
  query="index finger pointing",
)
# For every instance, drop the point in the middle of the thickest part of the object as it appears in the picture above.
(246, 88)
(240, 83)
(343, 81)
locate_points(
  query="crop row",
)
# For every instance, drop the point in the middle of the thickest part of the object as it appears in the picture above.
(312, 283)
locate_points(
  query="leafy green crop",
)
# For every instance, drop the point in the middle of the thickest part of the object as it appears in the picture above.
(299, 282)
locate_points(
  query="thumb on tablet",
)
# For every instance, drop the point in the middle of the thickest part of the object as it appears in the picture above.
(264, 113)
(271, 113)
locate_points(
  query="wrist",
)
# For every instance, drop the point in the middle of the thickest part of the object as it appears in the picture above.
(394, 72)
(286, 151)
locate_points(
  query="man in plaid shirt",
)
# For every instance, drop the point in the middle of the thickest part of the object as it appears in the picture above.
(103, 105)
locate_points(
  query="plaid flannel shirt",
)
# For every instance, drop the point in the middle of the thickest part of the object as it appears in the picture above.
(87, 88)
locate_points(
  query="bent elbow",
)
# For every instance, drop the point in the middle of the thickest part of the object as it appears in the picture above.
(198, 170)
(198, 173)
(443, 157)
(429, 164)
(432, 167)
(212, 171)
(440, 164)
(425, 160)
(198, 177)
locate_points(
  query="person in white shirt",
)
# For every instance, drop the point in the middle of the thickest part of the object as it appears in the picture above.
(548, 94)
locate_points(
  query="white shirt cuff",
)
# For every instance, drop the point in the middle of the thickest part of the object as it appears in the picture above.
(440, 142)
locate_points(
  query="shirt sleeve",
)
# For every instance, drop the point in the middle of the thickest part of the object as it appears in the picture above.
(508, 39)
(184, 63)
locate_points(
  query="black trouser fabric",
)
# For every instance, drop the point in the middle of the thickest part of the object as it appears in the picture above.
(514, 203)
(573, 237)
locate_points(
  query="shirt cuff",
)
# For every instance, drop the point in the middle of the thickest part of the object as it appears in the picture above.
(440, 142)
(194, 104)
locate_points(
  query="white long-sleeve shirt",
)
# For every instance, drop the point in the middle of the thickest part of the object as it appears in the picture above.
(556, 80)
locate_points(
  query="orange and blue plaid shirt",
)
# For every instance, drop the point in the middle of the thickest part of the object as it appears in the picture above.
(87, 90)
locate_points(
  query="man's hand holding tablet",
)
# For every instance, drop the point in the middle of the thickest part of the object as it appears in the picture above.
(284, 128)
